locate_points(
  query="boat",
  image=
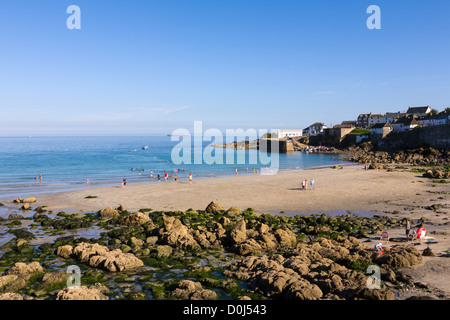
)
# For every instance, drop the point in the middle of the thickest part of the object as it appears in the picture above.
(145, 147)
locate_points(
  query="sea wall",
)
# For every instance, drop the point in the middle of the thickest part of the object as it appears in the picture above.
(437, 137)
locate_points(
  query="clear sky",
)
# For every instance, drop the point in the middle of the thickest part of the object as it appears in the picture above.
(152, 66)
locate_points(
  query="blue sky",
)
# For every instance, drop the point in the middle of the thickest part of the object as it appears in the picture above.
(149, 67)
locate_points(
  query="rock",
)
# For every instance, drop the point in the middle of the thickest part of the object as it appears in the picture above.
(428, 252)
(177, 234)
(82, 293)
(136, 218)
(121, 208)
(26, 206)
(285, 237)
(108, 213)
(99, 256)
(15, 216)
(189, 290)
(29, 200)
(21, 268)
(6, 280)
(151, 240)
(238, 232)
(214, 208)
(246, 247)
(11, 296)
(136, 242)
(163, 252)
(18, 200)
(224, 221)
(375, 294)
(233, 211)
(64, 251)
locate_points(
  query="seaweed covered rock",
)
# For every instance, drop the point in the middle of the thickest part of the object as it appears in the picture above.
(82, 293)
(108, 213)
(99, 256)
(175, 233)
(214, 208)
(189, 290)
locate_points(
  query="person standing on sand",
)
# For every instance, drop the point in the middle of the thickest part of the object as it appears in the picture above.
(190, 177)
(306, 184)
(311, 182)
(175, 177)
(303, 184)
(166, 176)
(159, 178)
(407, 228)
(124, 182)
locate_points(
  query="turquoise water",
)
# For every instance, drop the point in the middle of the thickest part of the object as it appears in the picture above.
(66, 162)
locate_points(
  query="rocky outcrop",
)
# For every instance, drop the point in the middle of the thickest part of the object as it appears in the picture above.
(367, 153)
(177, 234)
(327, 269)
(108, 213)
(11, 296)
(136, 219)
(99, 256)
(95, 292)
(214, 208)
(437, 174)
(189, 290)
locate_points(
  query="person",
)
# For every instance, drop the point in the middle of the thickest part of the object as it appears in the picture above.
(151, 173)
(139, 173)
(159, 178)
(407, 228)
(166, 176)
(190, 177)
(40, 177)
(303, 184)
(306, 184)
(87, 182)
(311, 182)
(175, 177)
(124, 182)
(236, 171)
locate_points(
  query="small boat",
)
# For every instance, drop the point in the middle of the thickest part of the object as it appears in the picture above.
(144, 147)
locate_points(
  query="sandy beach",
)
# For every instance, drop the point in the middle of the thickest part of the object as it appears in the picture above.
(398, 193)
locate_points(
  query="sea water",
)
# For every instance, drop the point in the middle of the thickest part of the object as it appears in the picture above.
(66, 162)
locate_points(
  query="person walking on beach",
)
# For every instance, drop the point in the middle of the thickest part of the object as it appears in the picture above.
(124, 182)
(306, 184)
(311, 182)
(190, 177)
(175, 177)
(166, 176)
(159, 178)
(303, 184)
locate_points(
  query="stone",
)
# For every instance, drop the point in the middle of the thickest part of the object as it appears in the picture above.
(214, 208)
(136, 219)
(285, 237)
(21, 268)
(163, 252)
(99, 256)
(11, 296)
(64, 251)
(189, 290)
(108, 213)
(29, 200)
(238, 232)
(177, 234)
(81, 293)
(233, 211)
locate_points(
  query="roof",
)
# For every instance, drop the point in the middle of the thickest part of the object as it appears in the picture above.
(375, 115)
(418, 109)
(317, 124)
(380, 125)
(406, 121)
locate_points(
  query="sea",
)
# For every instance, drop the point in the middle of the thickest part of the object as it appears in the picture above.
(70, 163)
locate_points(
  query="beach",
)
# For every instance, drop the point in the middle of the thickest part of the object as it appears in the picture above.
(395, 193)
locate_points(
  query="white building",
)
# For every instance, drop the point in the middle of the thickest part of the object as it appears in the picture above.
(289, 133)
(315, 129)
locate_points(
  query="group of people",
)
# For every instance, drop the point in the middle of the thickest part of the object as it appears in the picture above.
(305, 184)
